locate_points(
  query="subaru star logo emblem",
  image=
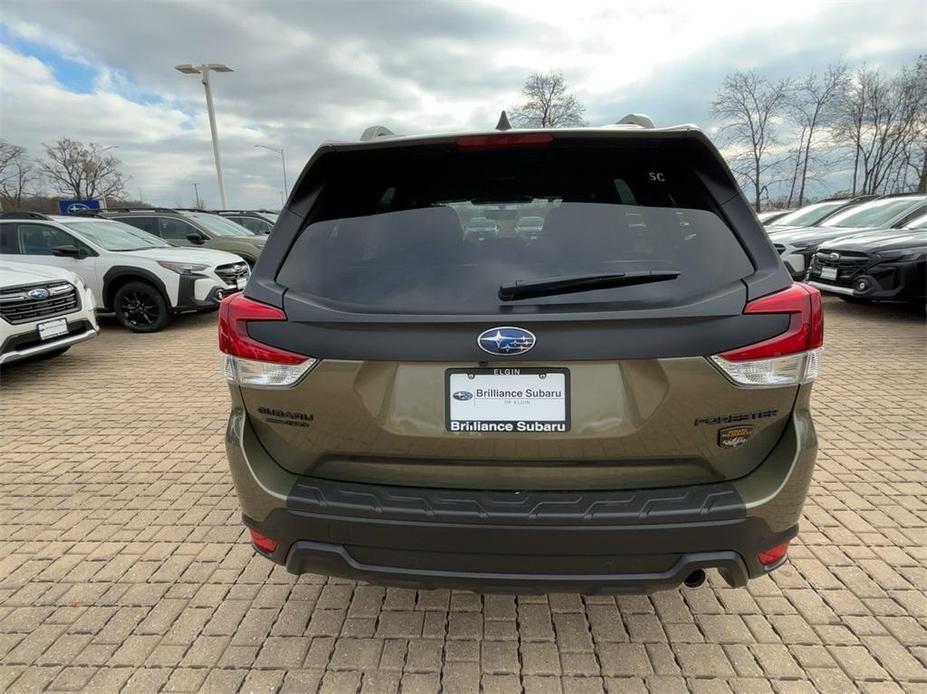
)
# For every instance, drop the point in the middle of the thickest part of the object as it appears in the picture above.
(38, 293)
(506, 341)
(463, 395)
(834, 256)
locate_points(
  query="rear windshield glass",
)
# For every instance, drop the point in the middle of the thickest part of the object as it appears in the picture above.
(440, 232)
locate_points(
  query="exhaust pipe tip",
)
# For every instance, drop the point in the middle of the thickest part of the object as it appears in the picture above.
(695, 579)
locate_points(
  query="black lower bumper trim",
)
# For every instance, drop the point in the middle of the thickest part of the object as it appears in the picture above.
(635, 541)
(336, 560)
(210, 303)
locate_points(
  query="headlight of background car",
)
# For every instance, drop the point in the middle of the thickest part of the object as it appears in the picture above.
(182, 268)
(903, 253)
(803, 245)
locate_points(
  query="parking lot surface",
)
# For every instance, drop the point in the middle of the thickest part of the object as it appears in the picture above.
(124, 565)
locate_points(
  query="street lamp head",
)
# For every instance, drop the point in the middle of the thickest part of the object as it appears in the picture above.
(219, 67)
(187, 69)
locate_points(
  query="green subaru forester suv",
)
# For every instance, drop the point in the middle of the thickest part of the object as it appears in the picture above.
(615, 403)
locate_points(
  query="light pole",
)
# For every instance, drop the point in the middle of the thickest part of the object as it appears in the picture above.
(197, 203)
(286, 191)
(204, 70)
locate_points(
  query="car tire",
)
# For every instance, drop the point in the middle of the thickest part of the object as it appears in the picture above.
(140, 307)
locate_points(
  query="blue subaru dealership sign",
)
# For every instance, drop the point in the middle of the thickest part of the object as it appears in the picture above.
(77, 206)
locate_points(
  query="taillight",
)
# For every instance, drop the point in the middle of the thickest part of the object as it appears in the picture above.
(773, 555)
(792, 358)
(248, 362)
(504, 141)
(262, 542)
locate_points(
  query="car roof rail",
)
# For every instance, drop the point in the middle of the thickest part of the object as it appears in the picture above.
(909, 194)
(375, 132)
(84, 213)
(23, 214)
(138, 209)
(641, 120)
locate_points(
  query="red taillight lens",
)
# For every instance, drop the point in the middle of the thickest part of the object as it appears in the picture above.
(774, 554)
(235, 312)
(505, 140)
(262, 542)
(806, 327)
(248, 362)
(789, 359)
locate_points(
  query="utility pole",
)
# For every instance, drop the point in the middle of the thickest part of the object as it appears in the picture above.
(197, 201)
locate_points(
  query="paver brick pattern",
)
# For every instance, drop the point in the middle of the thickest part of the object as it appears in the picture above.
(124, 566)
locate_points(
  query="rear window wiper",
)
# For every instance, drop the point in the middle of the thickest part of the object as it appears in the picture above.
(552, 286)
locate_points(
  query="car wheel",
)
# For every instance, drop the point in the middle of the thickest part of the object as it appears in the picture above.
(854, 299)
(141, 308)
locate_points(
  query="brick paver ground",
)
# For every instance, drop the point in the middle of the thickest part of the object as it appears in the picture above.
(123, 565)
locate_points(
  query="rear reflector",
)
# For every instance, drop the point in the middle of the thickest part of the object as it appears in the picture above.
(248, 362)
(262, 542)
(504, 141)
(792, 358)
(773, 555)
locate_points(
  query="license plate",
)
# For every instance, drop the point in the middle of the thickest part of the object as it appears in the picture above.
(828, 273)
(241, 282)
(53, 328)
(508, 400)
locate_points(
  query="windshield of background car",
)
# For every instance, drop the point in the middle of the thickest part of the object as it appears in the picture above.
(115, 236)
(807, 216)
(917, 223)
(392, 233)
(219, 225)
(871, 214)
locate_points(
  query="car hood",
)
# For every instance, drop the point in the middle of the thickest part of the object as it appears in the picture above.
(176, 254)
(18, 274)
(814, 235)
(879, 240)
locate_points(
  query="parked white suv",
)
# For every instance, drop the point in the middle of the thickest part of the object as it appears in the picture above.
(135, 275)
(43, 311)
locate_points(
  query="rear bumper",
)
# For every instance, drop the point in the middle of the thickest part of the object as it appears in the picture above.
(627, 541)
(515, 556)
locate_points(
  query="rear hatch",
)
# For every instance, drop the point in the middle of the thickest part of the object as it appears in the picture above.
(573, 357)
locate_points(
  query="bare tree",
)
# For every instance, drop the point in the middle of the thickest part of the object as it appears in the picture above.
(547, 103)
(83, 171)
(883, 122)
(18, 175)
(748, 106)
(812, 103)
(915, 158)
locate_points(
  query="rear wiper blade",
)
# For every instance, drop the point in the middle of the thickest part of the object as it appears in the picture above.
(552, 286)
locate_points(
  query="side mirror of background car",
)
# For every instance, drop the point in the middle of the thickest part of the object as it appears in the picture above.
(67, 251)
(195, 238)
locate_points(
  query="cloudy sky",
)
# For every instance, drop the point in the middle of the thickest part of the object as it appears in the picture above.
(310, 71)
